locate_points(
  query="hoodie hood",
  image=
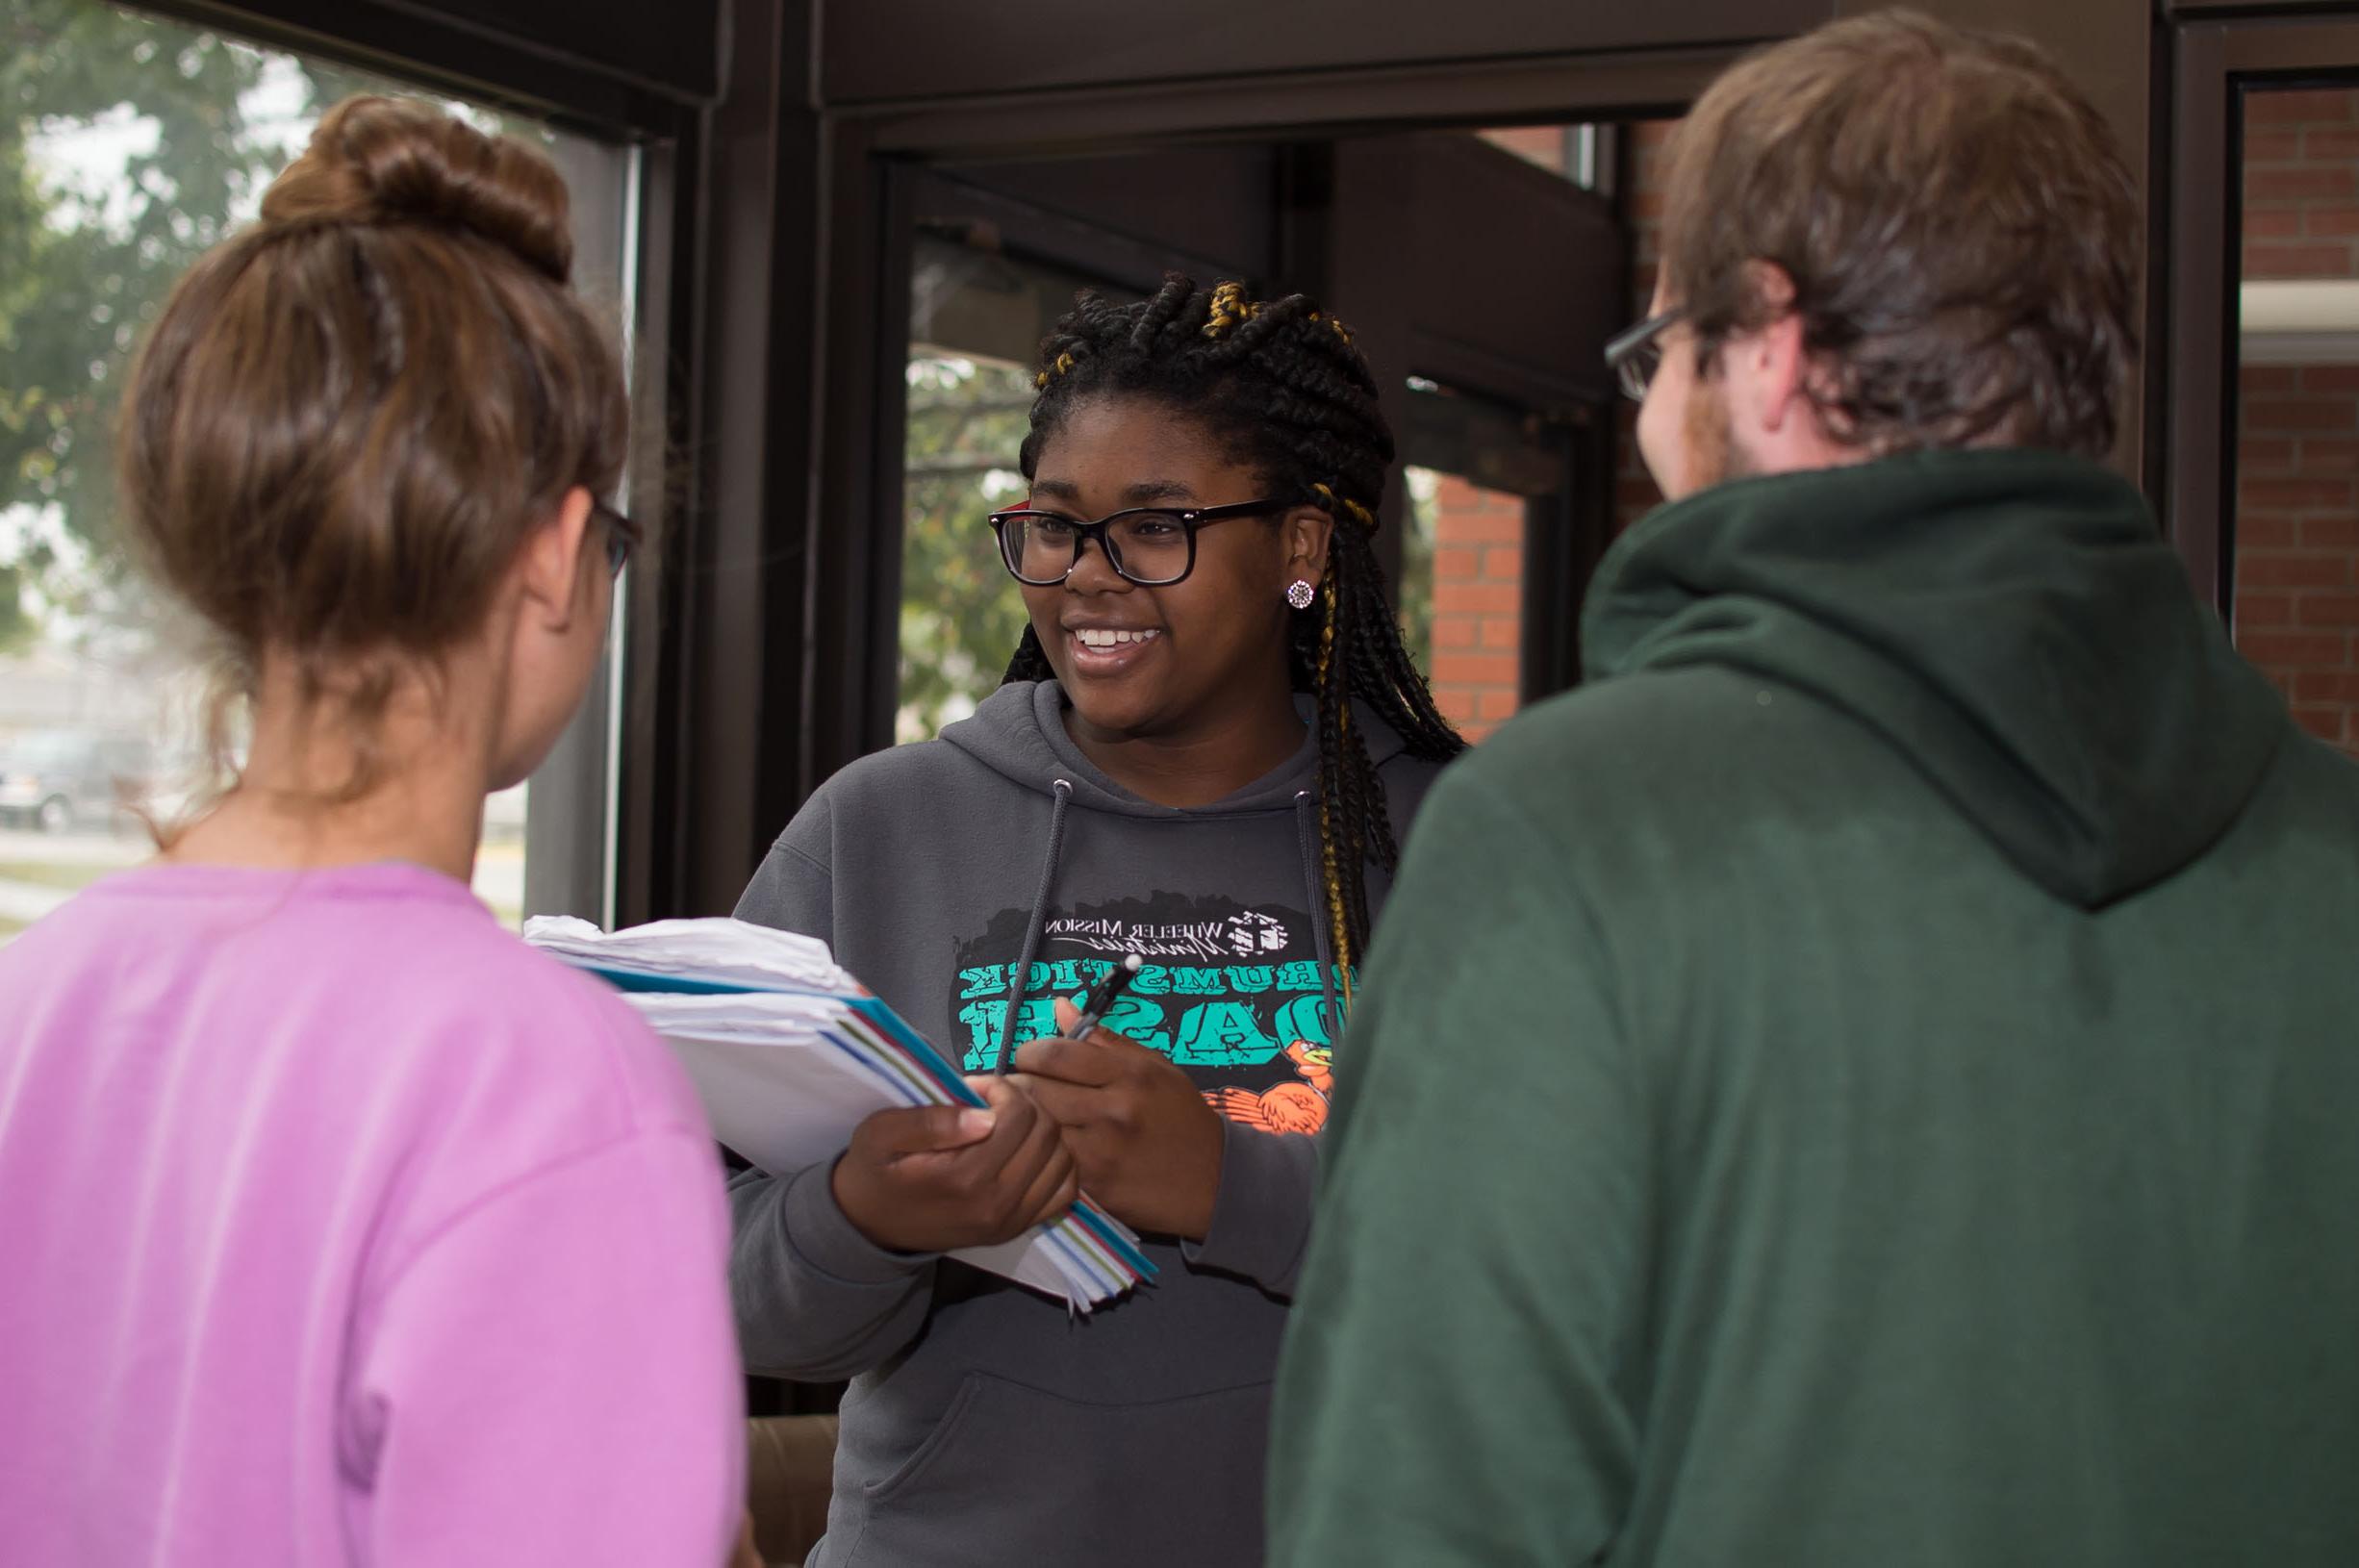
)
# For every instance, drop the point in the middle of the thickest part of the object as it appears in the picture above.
(1019, 732)
(2012, 622)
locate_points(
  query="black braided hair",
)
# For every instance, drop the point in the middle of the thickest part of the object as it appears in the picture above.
(1281, 385)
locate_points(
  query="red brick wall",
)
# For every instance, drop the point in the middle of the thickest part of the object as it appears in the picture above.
(2302, 184)
(2296, 531)
(1478, 604)
(2297, 539)
(1541, 145)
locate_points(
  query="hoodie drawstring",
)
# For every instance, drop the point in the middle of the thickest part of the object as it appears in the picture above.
(1062, 792)
(1306, 836)
(1306, 840)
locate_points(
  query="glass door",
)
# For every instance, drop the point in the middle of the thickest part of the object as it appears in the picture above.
(2291, 519)
(1438, 247)
(1489, 487)
(995, 258)
(976, 316)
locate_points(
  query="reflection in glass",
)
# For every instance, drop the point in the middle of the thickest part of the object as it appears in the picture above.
(1413, 591)
(977, 319)
(961, 617)
(1578, 153)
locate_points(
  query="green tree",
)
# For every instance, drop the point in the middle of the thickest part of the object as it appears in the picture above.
(961, 614)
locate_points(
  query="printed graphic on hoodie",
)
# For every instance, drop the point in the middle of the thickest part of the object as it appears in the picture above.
(1230, 993)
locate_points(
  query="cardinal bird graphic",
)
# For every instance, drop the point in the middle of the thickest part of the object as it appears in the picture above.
(1289, 1107)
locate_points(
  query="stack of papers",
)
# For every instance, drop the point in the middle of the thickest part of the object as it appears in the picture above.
(788, 1054)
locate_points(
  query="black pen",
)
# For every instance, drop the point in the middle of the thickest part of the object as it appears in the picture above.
(1102, 995)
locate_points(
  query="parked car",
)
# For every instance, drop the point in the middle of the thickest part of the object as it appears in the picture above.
(57, 780)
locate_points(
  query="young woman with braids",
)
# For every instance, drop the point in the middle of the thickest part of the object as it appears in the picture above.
(1206, 750)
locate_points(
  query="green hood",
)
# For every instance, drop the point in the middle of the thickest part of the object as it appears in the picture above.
(2011, 623)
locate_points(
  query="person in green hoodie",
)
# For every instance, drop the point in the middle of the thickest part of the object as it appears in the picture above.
(1206, 749)
(1868, 1079)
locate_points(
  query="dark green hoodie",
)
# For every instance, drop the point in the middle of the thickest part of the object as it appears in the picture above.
(1872, 1078)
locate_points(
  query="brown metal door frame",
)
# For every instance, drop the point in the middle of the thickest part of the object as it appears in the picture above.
(2213, 61)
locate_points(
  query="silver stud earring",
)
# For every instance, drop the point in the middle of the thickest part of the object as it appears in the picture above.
(1299, 594)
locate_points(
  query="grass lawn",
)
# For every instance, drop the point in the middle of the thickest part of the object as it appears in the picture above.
(43, 873)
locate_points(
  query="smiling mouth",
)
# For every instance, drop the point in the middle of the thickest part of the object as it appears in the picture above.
(1106, 651)
(1101, 638)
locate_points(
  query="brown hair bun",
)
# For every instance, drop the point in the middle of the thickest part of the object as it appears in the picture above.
(349, 417)
(397, 160)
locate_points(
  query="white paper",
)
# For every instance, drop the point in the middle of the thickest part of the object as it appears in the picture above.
(781, 1116)
(723, 951)
(786, 1070)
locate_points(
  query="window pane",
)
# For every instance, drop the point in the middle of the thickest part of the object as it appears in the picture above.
(1414, 592)
(1543, 146)
(133, 144)
(2296, 528)
(977, 319)
(1462, 595)
(1477, 474)
(1574, 152)
(961, 616)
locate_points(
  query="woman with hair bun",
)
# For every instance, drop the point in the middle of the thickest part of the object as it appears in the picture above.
(340, 1227)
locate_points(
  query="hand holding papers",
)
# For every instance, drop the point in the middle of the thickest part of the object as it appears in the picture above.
(934, 1179)
(790, 1053)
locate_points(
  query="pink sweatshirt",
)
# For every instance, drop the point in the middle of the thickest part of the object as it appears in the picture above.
(338, 1227)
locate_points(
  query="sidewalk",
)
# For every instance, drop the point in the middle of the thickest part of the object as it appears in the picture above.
(25, 903)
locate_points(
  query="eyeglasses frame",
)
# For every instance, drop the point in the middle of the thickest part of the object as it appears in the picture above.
(1635, 354)
(622, 536)
(1189, 519)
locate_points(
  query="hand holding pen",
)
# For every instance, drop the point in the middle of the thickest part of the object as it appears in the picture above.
(1148, 1145)
(1102, 995)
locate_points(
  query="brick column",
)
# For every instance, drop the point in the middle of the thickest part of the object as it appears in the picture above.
(1478, 604)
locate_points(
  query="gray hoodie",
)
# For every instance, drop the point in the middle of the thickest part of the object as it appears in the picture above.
(985, 1423)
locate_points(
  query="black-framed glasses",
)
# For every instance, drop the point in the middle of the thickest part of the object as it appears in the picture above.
(1636, 353)
(1151, 545)
(622, 535)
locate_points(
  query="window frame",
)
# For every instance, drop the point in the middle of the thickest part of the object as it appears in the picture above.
(629, 846)
(2193, 402)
